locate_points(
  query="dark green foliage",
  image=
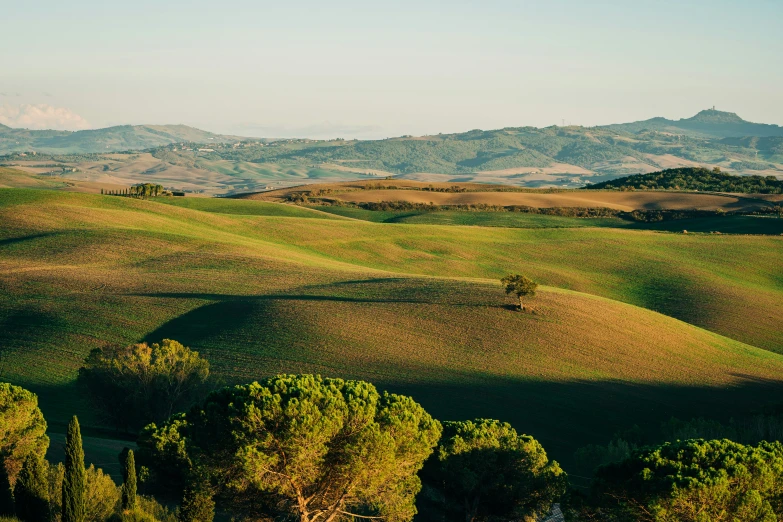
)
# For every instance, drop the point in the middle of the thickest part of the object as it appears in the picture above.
(7, 507)
(694, 481)
(484, 470)
(22, 428)
(31, 493)
(129, 482)
(303, 446)
(197, 506)
(519, 285)
(73, 491)
(695, 179)
(139, 384)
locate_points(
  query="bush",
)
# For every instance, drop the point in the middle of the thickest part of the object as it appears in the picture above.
(101, 496)
(143, 383)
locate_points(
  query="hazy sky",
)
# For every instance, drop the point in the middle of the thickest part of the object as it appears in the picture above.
(376, 69)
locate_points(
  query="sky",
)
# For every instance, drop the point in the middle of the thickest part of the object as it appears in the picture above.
(369, 69)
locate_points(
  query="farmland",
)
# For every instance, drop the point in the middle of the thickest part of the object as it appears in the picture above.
(620, 334)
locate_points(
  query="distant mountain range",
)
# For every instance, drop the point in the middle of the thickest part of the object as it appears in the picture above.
(706, 124)
(569, 156)
(110, 139)
(709, 123)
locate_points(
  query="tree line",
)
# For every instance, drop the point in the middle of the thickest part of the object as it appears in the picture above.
(142, 190)
(695, 179)
(319, 449)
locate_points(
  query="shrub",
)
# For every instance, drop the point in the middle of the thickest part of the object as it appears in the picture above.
(143, 383)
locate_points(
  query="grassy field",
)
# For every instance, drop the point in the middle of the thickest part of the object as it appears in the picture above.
(265, 288)
(760, 225)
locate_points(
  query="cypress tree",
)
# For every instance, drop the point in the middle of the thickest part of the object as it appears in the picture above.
(129, 484)
(32, 491)
(73, 508)
(6, 494)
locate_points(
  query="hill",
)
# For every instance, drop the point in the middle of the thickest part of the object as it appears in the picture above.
(534, 157)
(707, 123)
(110, 139)
(695, 179)
(479, 196)
(261, 288)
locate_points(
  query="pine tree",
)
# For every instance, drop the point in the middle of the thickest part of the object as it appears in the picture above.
(6, 494)
(73, 508)
(129, 484)
(32, 491)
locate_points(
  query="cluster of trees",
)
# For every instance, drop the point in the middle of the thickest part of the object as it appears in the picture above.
(291, 447)
(311, 448)
(695, 179)
(317, 449)
(34, 490)
(142, 190)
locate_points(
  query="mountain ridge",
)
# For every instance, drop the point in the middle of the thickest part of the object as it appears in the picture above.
(108, 139)
(708, 123)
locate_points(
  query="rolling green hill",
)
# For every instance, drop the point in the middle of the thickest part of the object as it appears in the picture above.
(261, 288)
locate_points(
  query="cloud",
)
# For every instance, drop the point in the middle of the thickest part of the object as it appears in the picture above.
(41, 116)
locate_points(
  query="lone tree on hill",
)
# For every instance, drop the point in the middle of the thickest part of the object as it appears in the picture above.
(521, 286)
(73, 504)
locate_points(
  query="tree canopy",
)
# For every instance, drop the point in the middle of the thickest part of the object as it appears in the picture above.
(143, 383)
(695, 481)
(484, 470)
(303, 446)
(521, 286)
(22, 428)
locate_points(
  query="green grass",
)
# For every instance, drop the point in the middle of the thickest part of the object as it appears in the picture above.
(243, 207)
(412, 308)
(476, 219)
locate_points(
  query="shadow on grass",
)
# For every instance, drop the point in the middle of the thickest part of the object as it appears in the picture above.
(564, 416)
(22, 239)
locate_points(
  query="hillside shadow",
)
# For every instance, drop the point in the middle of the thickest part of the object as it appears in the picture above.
(670, 294)
(22, 239)
(563, 416)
